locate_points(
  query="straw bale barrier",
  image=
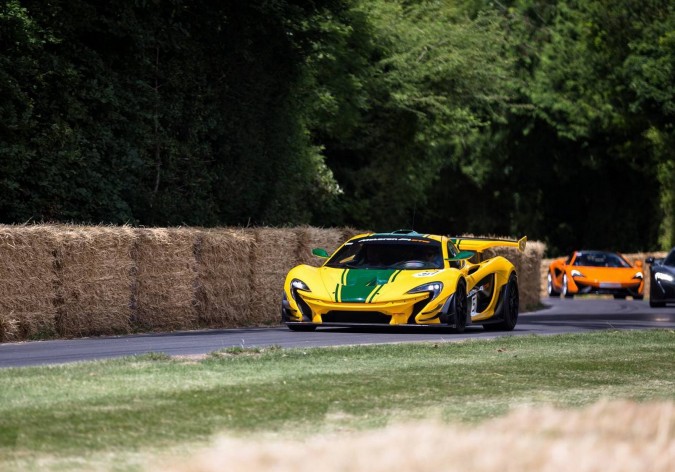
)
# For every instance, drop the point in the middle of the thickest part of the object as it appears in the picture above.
(638, 256)
(309, 238)
(166, 276)
(27, 282)
(94, 268)
(276, 252)
(69, 280)
(224, 277)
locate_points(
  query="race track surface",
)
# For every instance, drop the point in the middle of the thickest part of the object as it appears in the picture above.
(560, 316)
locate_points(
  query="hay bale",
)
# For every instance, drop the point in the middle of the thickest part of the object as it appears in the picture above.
(224, 277)
(275, 254)
(163, 296)
(309, 238)
(27, 282)
(94, 266)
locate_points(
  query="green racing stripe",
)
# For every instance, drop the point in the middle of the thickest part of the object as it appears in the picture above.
(362, 285)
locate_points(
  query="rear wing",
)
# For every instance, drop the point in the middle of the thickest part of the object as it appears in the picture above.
(481, 244)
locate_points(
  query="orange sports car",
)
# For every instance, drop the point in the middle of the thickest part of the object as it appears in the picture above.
(595, 272)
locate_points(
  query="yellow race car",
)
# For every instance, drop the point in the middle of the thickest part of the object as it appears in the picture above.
(405, 278)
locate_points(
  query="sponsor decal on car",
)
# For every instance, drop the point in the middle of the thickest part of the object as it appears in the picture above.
(427, 273)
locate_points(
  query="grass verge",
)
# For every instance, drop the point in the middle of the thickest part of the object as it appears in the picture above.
(113, 414)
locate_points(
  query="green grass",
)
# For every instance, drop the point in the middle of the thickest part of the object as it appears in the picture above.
(65, 417)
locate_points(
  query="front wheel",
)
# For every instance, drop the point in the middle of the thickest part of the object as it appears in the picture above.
(510, 307)
(459, 308)
(549, 287)
(565, 291)
(654, 304)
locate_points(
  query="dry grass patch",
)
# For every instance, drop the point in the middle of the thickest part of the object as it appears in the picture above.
(618, 435)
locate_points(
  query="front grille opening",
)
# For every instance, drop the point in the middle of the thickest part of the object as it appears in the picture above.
(356, 317)
(417, 307)
(304, 307)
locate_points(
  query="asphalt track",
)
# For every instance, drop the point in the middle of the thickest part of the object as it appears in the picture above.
(561, 316)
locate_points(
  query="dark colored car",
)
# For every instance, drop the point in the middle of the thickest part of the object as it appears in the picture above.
(662, 278)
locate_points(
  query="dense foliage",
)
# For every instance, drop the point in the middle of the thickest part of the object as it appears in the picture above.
(547, 118)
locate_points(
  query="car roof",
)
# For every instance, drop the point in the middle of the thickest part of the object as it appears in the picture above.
(401, 234)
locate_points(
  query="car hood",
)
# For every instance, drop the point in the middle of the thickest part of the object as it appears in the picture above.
(361, 285)
(664, 268)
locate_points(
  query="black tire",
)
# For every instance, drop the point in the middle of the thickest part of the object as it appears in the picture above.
(565, 293)
(296, 327)
(509, 309)
(549, 287)
(459, 308)
(653, 302)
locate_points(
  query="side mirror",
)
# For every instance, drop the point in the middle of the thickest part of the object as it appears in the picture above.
(649, 260)
(462, 255)
(638, 263)
(317, 251)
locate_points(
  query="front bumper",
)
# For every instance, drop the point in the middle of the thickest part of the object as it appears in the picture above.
(662, 290)
(583, 285)
(409, 309)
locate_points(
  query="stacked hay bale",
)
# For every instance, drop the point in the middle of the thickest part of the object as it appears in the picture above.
(309, 238)
(275, 254)
(27, 282)
(224, 277)
(166, 275)
(94, 269)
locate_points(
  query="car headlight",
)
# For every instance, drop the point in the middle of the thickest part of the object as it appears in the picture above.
(638, 275)
(435, 288)
(299, 285)
(576, 273)
(662, 276)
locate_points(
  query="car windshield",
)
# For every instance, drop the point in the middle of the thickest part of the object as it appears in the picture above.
(670, 260)
(389, 253)
(600, 259)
